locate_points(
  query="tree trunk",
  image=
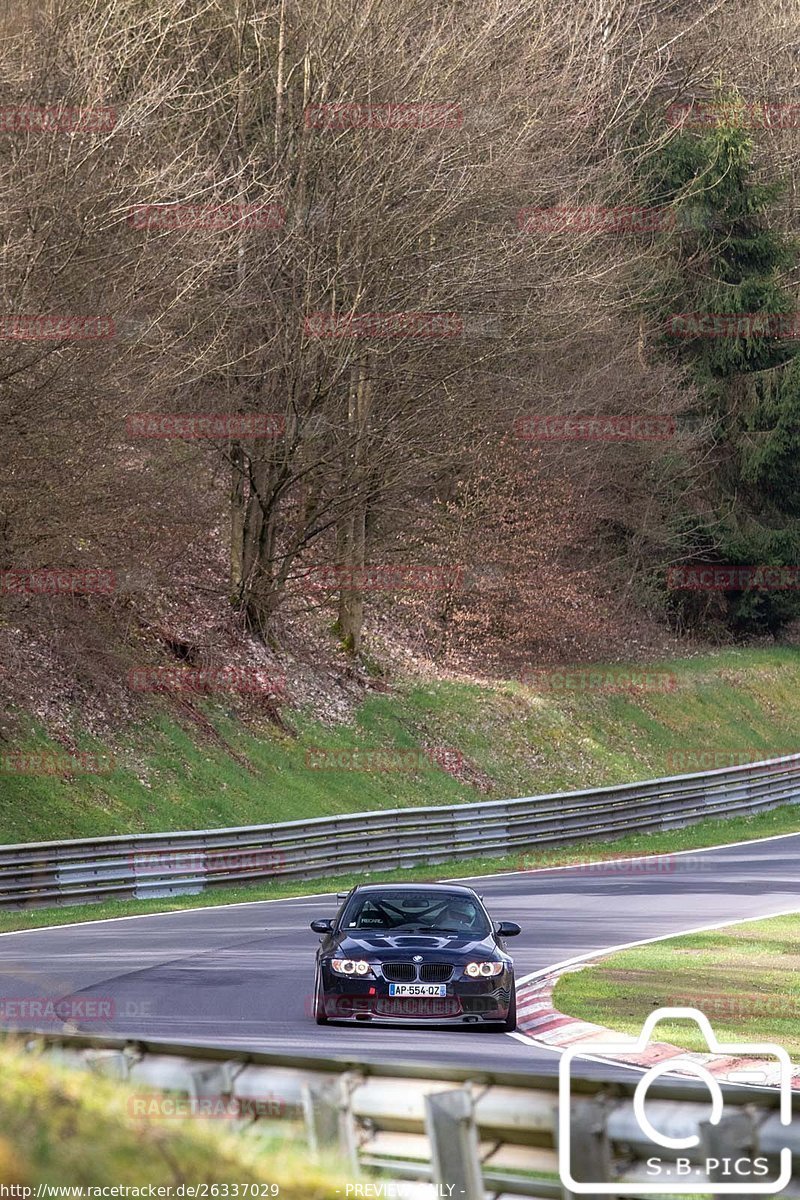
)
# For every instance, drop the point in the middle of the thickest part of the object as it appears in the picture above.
(352, 540)
(237, 522)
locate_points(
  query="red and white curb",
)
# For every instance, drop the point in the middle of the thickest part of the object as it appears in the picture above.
(542, 1023)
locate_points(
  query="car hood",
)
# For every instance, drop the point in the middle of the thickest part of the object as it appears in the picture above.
(403, 946)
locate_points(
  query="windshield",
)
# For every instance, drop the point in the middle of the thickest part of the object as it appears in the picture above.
(393, 911)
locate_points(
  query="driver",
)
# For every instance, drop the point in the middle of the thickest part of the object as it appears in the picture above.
(459, 915)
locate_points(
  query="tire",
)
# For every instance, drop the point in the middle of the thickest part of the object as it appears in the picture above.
(319, 1007)
(510, 1023)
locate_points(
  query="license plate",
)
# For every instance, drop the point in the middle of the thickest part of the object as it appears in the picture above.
(417, 989)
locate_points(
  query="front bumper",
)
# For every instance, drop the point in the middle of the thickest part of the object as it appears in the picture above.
(467, 1002)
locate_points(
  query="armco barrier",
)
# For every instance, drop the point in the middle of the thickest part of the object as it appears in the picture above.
(165, 864)
(472, 1132)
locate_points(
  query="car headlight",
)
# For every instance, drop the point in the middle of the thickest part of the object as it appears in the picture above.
(351, 966)
(476, 969)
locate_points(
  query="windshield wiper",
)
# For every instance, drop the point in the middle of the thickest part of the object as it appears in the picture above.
(436, 929)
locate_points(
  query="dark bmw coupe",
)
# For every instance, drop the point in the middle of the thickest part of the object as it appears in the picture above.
(407, 953)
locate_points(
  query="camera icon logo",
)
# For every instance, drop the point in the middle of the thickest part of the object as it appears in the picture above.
(669, 1170)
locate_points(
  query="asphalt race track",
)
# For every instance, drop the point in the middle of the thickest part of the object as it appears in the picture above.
(242, 975)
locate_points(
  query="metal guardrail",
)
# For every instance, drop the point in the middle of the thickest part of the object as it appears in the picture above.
(471, 1132)
(166, 864)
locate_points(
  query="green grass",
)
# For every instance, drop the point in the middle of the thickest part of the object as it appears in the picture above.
(746, 979)
(71, 1127)
(706, 833)
(515, 740)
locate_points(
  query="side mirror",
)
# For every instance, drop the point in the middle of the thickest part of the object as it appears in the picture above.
(507, 929)
(322, 926)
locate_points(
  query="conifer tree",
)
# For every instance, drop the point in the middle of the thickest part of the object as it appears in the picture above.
(729, 262)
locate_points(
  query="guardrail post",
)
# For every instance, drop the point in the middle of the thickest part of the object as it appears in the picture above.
(348, 1134)
(590, 1149)
(734, 1137)
(455, 1154)
(322, 1116)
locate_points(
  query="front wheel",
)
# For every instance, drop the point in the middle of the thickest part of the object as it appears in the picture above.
(319, 1003)
(510, 1023)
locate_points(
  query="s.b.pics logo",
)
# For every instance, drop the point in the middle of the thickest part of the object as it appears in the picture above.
(683, 1157)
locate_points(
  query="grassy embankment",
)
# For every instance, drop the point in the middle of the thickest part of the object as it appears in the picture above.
(515, 740)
